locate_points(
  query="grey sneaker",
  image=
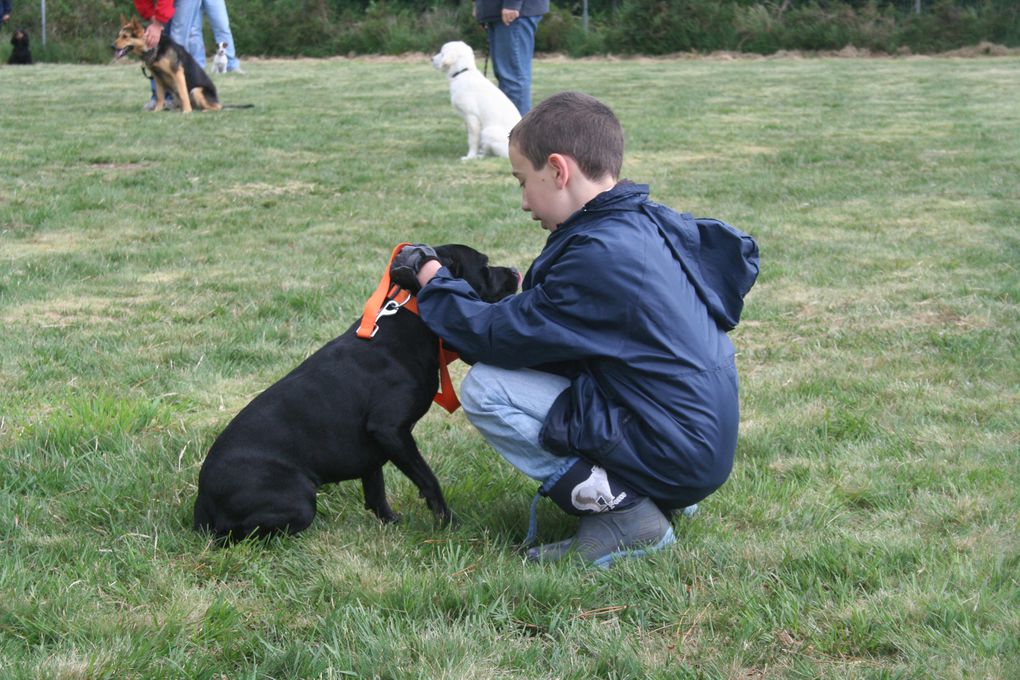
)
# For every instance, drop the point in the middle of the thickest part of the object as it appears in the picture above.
(608, 536)
(150, 105)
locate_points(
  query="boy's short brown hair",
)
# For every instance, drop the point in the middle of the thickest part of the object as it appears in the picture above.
(573, 124)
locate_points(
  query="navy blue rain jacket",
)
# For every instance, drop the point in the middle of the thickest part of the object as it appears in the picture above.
(641, 336)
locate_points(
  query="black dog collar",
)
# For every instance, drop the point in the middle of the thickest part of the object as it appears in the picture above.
(458, 73)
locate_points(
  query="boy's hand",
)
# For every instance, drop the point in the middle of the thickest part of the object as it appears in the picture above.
(409, 262)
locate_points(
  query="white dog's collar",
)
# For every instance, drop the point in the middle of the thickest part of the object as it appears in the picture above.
(454, 75)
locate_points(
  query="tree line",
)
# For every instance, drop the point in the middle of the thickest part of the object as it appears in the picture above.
(82, 31)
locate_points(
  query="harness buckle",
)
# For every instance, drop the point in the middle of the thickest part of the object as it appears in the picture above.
(391, 307)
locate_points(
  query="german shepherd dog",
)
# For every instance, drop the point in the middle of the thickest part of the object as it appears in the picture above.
(171, 66)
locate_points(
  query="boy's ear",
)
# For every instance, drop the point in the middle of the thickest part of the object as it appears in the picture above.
(561, 168)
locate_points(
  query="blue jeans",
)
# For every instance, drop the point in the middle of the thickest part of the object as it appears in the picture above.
(185, 12)
(509, 408)
(511, 48)
(216, 13)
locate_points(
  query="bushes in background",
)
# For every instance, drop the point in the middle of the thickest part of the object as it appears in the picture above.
(82, 31)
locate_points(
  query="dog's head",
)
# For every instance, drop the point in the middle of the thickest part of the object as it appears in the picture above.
(221, 49)
(453, 57)
(131, 38)
(491, 283)
(20, 38)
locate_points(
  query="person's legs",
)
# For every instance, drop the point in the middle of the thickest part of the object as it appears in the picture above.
(509, 409)
(186, 12)
(512, 48)
(216, 12)
(196, 41)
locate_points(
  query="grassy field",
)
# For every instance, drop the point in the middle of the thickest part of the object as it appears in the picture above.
(158, 270)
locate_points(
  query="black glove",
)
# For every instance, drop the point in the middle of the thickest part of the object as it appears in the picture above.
(407, 264)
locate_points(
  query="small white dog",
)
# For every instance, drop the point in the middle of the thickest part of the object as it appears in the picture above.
(219, 62)
(486, 111)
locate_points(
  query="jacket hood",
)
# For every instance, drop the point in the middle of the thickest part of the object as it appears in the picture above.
(721, 261)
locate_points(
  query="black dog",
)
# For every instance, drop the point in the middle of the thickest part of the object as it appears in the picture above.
(342, 414)
(21, 54)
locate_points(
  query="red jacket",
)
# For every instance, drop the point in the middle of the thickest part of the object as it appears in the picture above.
(160, 10)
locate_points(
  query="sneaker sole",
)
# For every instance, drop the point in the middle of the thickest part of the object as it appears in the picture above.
(604, 562)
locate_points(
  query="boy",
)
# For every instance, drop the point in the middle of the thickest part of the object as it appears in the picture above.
(609, 378)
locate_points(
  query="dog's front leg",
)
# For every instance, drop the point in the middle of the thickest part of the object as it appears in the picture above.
(160, 95)
(398, 444)
(474, 136)
(182, 91)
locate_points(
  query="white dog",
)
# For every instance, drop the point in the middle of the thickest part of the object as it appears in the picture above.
(219, 62)
(486, 111)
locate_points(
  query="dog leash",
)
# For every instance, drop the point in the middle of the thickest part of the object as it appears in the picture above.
(389, 298)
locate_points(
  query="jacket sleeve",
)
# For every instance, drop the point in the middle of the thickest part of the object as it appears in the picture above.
(160, 10)
(581, 309)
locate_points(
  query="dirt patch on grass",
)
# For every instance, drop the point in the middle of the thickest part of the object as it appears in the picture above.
(46, 243)
(263, 190)
(118, 166)
(68, 311)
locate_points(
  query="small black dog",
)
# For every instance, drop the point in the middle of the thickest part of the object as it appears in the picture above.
(342, 414)
(21, 53)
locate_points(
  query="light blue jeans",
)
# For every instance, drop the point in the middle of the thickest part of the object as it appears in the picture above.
(511, 48)
(219, 21)
(185, 12)
(509, 408)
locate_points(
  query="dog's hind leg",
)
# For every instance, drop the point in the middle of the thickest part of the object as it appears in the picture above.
(202, 103)
(494, 143)
(374, 485)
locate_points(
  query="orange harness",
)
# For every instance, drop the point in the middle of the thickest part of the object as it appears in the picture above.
(387, 299)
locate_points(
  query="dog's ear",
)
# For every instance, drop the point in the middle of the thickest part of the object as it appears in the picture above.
(455, 267)
(136, 24)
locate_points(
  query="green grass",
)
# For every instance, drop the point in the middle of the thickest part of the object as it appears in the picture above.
(159, 270)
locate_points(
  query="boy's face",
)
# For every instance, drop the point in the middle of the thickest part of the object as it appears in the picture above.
(541, 194)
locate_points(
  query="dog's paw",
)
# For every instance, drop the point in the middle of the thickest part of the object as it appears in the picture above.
(388, 518)
(470, 156)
